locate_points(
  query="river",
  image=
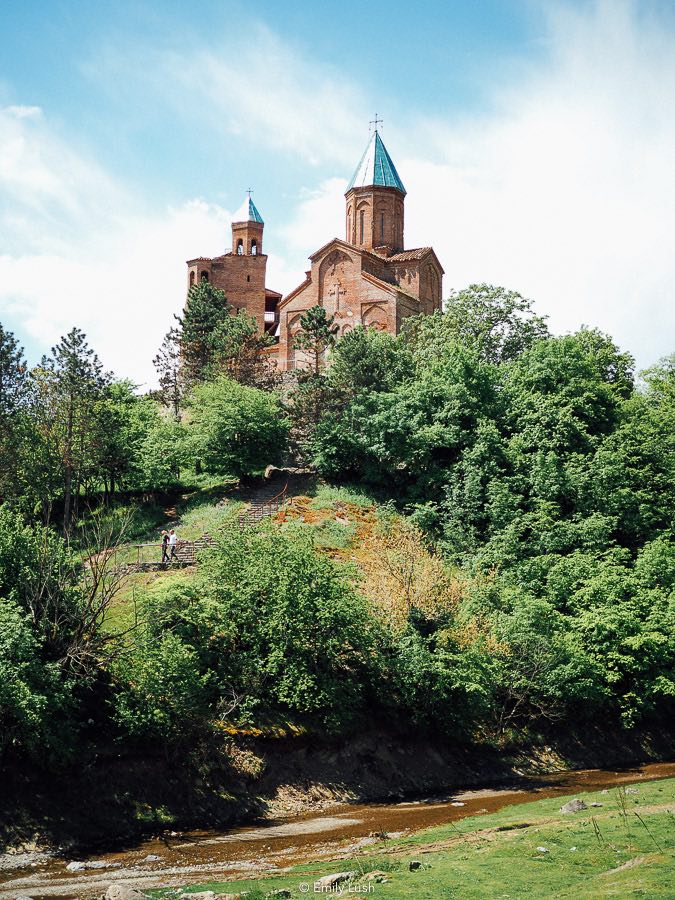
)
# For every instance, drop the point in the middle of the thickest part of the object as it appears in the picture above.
(265, 848)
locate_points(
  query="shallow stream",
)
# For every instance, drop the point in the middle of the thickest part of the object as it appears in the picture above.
(203, 856)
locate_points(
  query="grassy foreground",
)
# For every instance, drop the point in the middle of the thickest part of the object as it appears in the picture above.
(623, 848)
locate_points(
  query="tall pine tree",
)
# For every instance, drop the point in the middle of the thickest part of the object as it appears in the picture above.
(206, 308)
(318, 334)
(13, 391)
(68, 386)
(168, 366)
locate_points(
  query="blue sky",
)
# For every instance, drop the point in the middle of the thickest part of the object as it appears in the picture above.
(535, 140)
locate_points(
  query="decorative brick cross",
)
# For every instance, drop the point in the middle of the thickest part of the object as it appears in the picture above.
(336, 293)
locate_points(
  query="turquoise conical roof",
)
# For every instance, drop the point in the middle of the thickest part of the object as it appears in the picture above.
(376, 167)
(247, 212)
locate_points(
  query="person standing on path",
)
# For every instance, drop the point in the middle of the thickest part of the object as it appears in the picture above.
(173, 541)
(165, 547)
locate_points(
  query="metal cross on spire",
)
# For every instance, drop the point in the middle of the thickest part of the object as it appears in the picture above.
(375, 122)
(249, 191)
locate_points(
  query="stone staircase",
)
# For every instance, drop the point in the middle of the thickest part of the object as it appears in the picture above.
(263, 501)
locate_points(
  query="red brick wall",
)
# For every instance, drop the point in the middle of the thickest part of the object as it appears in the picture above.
(242, 278)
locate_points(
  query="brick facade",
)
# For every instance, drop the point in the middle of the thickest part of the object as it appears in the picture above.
(240, 273)
(367, 279)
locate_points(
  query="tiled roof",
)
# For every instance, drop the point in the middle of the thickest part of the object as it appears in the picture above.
(247, 212)
(407, 255)
(376, 168)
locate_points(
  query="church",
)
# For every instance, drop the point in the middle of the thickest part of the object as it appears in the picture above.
(369, 278)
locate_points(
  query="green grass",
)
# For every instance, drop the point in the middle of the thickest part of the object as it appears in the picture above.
(127, 605)
(327, 535)
(326, 496)
(473, 859)
(192, 512)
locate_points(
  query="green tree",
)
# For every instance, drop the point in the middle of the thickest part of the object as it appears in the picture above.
(122, 421)
(368, 360)
(34, 699)
(160, 694)
(52, 644)
(13, 375)
(317, 335)
(234, 429)
(275, 627)
(660, 381)
(239, 351)
(499, 324)
(167, 363)
(409, 438)
(543, 673)
(206, 309)
(163, 453)
(563, 397)
(67, 387)
(13, 395)
(64, 601)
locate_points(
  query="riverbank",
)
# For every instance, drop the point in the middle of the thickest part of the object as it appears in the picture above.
(469, 834)
(111, 800)
(619, 843)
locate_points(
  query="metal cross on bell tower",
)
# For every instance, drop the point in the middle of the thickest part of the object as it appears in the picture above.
(375, 122)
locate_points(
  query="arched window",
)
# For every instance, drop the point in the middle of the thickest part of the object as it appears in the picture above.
(205, 275)
(361, 225)
(254, 247)
(382, 227)
(192, 278)
(240, 247)
(349, 226)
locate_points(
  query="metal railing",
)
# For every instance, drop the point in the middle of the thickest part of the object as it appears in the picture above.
(262, 509)
(150, 554)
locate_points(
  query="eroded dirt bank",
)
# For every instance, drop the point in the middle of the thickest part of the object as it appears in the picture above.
(108, 800)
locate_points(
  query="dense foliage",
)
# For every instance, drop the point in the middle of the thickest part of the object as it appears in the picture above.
(520, 572)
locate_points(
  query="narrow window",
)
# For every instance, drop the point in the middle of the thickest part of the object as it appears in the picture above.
(248, 277)
(192, 278)
(240, 247)
(361, 224)
(254, 247)
(382, 227)
(205, 276)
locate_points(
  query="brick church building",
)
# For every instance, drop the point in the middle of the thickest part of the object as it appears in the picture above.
(369, 278)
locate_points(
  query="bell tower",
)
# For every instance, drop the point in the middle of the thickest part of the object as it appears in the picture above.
(375, 200)
(247, 230)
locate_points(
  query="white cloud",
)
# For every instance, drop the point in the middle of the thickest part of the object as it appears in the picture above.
(49, 193)
(246, 82)
(80, 251)
(24, 112)
(567, 194)
(317, 217)
(121, 286)
(565, 191)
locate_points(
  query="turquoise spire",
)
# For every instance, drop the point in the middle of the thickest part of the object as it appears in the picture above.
(247, 212)
(376, 168)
